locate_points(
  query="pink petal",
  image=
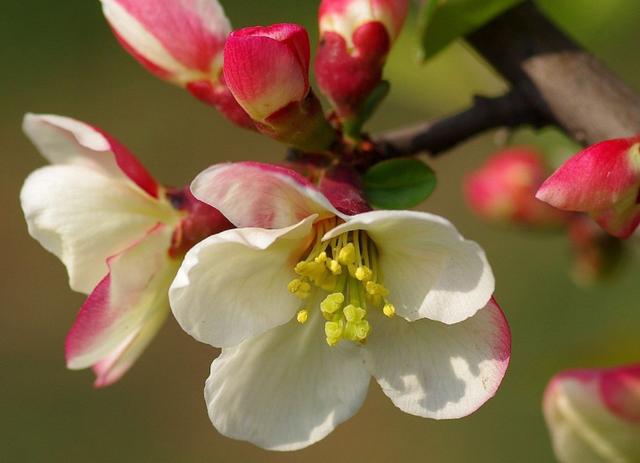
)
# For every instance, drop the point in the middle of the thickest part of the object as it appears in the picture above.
(193, 32)
(596, 178)
(64, 140)
(124, 303)
(267, 68)
(252, 194)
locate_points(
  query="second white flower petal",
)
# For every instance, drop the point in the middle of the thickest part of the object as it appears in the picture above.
(429, 268)
(233, 285)
(285, 389)
(440, 371)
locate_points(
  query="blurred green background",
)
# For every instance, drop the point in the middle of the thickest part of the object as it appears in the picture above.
(60, 57)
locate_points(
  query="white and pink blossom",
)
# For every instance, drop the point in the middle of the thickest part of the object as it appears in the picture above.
(594, 415)
(308, 303)
(119, 233)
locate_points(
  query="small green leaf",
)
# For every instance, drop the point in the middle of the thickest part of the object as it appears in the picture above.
(398, 183)
(443, 21)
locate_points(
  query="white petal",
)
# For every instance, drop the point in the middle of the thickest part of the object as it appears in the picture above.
(430, 269)
(233, 285)
(440, 371)
(285, 389)
(84, 217)
(65, 141)
(252, 194)
(129, 298)
(112, 367)
(583, 428)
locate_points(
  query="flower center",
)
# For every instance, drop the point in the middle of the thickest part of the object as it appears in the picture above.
(346, 267)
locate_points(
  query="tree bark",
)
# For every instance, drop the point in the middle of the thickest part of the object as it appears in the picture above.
(558, 77)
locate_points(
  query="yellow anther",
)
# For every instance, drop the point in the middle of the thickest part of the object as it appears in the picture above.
(299, 288)
(334, 267)
(353, 313)
(363, 273)
(321, 258)
(389, 310)
(333, 331)
(347, 254)
(302, 316)
(376, 289)
(332, 303)
(313, 270)
(362, 330)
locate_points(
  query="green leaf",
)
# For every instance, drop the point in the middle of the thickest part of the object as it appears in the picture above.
(398, 183)
(443, 21)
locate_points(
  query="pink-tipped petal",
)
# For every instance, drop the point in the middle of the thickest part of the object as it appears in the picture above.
(62, 140)
(176, 40)
(252, 194)
(113, 367)
(603, 180)
(267, 68)
(440, 371)
(596, 178)
(124, 302)
(594, 415)
(345, 16)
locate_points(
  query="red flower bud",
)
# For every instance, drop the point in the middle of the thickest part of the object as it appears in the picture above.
(355, 38)
(504, 189)
(267, 71)
(603, 180)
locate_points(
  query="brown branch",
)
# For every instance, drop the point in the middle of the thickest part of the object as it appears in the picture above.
(435, 137)
(553, 80)
(558, 77)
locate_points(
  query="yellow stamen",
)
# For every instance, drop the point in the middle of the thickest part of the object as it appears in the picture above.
(334, 267)
(389, 310)
(332, 303)
(353, 313)
(299, 288)
(302, 316)
(346, 267)
(347, 254)
(363, 273)
(376, 289)
(333, 331)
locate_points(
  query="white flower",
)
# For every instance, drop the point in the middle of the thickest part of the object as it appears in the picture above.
(594, 415)
(308, 304)
(119, 233)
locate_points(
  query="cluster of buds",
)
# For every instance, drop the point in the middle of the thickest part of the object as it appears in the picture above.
(504, 191)
(258, 77)
(355, 39)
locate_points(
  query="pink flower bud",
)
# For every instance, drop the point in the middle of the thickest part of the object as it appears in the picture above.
(594, 415)
(267, 71)
(503, 190)
(355, 38)
(179, 41)
(603, 180)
